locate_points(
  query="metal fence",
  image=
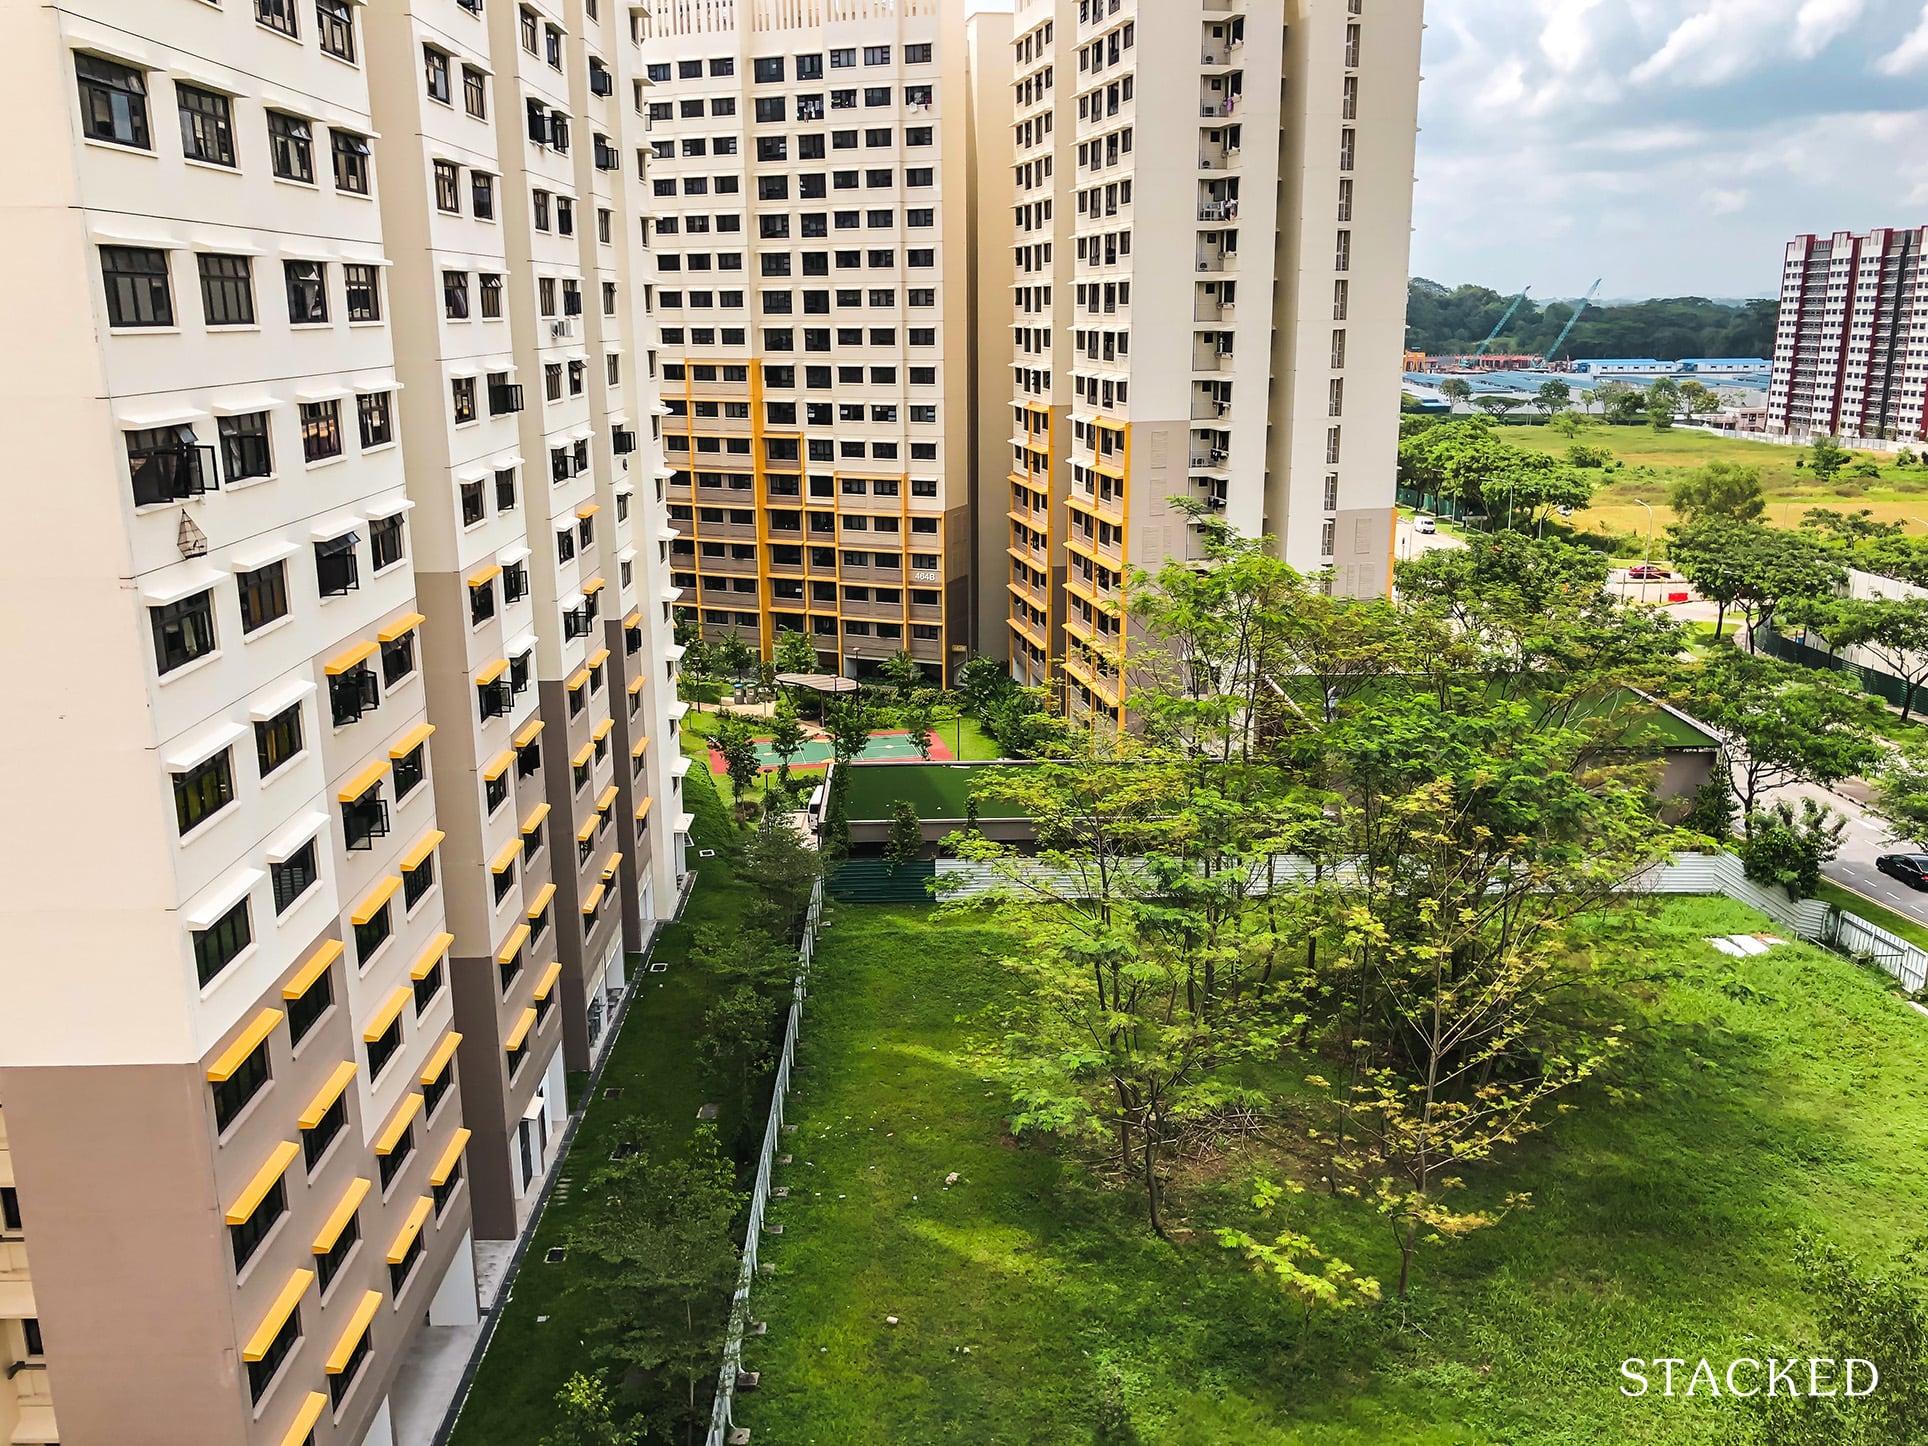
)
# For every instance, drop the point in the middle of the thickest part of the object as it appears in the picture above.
(722, 1427)
(1794, 650)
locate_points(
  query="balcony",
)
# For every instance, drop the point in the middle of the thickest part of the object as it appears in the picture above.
(1217, 157)
(1215, 208)
(1212, 352)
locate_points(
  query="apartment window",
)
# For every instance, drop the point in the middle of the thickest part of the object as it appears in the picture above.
(137, 289)
(202, 791)
(917, 55)
(278, 739)
(382, 1049)
(491, 291)
(306, 1009)
(227, 290)
(113, 101)
(527, 21)
(768, 70)
(844, 58)
(435, 69)
(350, 153)
(1342, 261)
(307, 283)
(362, 290)
(218, 945)
(336, 570)
(426, 990)
(294, 876)
(1340, 295)
(183, 631)
(448, 187)
(565, 216)
(261, 1373)
(316, 1138)
(341, 1382)
(386, 536)
(232, 1094)
(244, 446)
(320, 430)
(455, 295)
(335, 29)
(370, 935)
(552, 47)
(1332, 492)
(462, 399)
(418, 881)
(328, 1263)
(207, 124)
(291, 147)
(482, 195)
(264, 595)
(10, 1223)
(277, 15)
(410, 769)
(475, 92)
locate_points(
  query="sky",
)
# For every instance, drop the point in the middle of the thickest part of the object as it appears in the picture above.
(1672, 147)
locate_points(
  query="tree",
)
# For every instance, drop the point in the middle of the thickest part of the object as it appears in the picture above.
(1722, 490)
(1753, 568)
(1826, 456)
(583, 1417)
(1894, 631)
(1469, 462)
(1565, 423)
(901, 671)
(1456, 392)
(1620, 402)
(1662, 402)
(736, 1047)
(1781, 724)
(735, 739)
(1901, 790)
(697, 660)
(906, 838)
(848, 720)
(1552, 398)
(786, 739)
(1696, 399)
(918, 714)
(795, 653)
(981, 681)
(1787, 847)
(1496, 404)
(733, 655)
(662, 1232)
(1334, 1286)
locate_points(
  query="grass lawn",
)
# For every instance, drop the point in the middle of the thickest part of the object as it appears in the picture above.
(1881, 918)
(653, 1064)
(1765, 1096)
(936, 790)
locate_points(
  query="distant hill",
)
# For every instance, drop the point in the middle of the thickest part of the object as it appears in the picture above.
(1457, 320)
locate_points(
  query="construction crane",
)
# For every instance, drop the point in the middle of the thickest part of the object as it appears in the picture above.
(1565, 331)
(1481, 350)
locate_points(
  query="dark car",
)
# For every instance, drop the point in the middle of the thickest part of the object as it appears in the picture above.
(1648, 570)
(1910, 869)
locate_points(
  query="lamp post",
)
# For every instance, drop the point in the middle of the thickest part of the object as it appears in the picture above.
(958, 656)
(1647, 563)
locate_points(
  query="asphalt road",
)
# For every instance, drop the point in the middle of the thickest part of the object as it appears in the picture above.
(1866, 837)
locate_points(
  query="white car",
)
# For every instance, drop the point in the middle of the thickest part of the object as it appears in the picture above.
(1423, 523)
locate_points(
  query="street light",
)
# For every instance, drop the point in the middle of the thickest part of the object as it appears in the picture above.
(958, 655)
(1647, 564)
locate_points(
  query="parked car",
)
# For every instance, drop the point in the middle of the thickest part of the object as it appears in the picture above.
(1910, 869)
(1647, 570)
(1423, 523)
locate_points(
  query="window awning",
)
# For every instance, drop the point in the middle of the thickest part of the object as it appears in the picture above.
(498, 765)
(290, 841)
(204, 745)
(548, 980)
(612, 863)
(221, 897)
(639, 747)
(393, 506)
(541, 901)
(605, 798)
(411, 740)
(588, 510)
(597, 658)
(253, 559)
(493, 671)
(421, 849)
(588, 829)
(602, 729)
(398, 1123)
(401, 626)
(363, 781)
(257, 1189)
(303, 1425)
(318, 963)
(520, 1032)
(578, 679)
(431, 956)
(326, 1096)
(535, 818)
(594, 898)
(385, 1016)
(642, 809)
(411, 1227)
(505, 860)
(636, 684)
(344, 1350)
(439, 1060)
(278, 699)
(176, 583)
(245, 1044)
(483, 576)
(592, 587)
(518, 936)
(372, 901)
(271, 1323)
(635, 617)
(341, 663)
(528, 734)
(444, 1167)
(583, 755)
(339, 1217)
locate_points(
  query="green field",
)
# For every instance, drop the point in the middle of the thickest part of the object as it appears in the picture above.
(935, 790)
(1764, 1097)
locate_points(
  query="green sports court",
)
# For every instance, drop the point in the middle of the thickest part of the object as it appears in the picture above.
(882, 748)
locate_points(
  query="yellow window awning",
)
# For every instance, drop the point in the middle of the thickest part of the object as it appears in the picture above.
(578, 680)
(520, 1032)
(635, 617)
(317, 965)
(245, 1044)
(597, 658)
(271, 1323)
(498, 765)
(339, 1217)
(612, 863)
(304, 1422)
(505, 860)
(431, 956)
(542, 900)
(439, 1061)
(398, 1124)
(355, 656)
(639, 747)
(595, 898)
(411, 740)
(602, 729)
(588, 829)
(588, 509)
(492, 672)
(583, 755)
(529, 734)
(400, 627)
(535, 818)
(636, 684)
(548, 980)
(642, 809)
(264, 1179)
(363, 781)
(372, 902)
(592, 587)
(344, 1350)
(486, 576)
(411, 1227)
(606, 797)
(326, 1096)
(445, 1166)
(421, 849)
(383, 1017)
(518, 936)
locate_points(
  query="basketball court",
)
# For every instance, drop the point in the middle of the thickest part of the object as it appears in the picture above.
(816, 752)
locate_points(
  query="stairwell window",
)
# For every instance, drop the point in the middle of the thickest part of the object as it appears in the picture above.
(1342, 259)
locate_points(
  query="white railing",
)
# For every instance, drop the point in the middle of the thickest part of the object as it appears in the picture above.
(721, 1426)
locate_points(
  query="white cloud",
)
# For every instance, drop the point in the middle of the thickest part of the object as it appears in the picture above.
(1727, 39)
(1911, 55)
(1724, 203)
